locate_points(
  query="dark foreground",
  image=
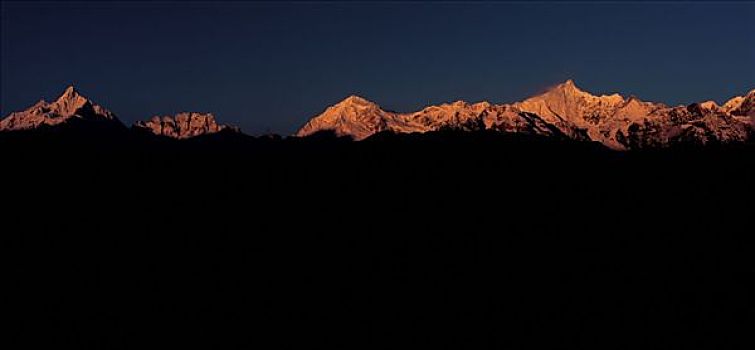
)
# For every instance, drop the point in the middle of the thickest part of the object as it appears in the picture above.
(458, 241)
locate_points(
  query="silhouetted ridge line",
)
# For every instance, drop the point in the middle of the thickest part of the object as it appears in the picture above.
(563, 112)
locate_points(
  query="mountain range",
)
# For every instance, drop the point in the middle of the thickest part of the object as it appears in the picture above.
(564, 111)
(72, 107)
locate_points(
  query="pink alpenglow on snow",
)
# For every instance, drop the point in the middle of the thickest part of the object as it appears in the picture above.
(616, 121)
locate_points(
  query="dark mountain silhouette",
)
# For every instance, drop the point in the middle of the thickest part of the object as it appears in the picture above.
(457, 238)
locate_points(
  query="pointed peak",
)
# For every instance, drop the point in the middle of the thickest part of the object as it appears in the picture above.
(356, 100)
(70, 101)
(568, 87)
(70, 93)
(568, 84)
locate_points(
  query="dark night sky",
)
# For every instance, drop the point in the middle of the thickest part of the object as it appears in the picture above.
(269, 67)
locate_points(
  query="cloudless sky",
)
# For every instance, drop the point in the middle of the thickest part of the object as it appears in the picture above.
(268, 67)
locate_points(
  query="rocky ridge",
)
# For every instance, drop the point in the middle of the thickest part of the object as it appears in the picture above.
(183, 125)
(70, 105)
(73, 106)
(615, 121)
(565, 110)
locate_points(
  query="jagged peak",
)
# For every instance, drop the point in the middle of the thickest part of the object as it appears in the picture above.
(354, 99)
(196, 114)
(70, 101)
(353, 102)
(184, 125)
(182, 116)
(70, 104)
(567, 85)
(69, 93)
(568, 88)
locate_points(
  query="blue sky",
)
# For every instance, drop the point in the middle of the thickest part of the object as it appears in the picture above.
(268, 67)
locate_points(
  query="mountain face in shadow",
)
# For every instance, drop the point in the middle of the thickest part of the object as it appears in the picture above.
(615, 121)
(460, 226)
(454, 238)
